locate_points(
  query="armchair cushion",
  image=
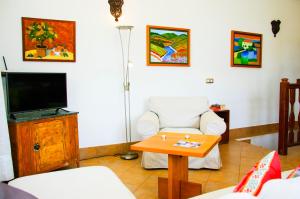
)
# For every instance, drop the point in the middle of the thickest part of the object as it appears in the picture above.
(212, 160)
(182, 130)
(212, 124)
(178, 111)
(147, 125)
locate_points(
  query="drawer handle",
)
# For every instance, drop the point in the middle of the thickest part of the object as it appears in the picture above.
(36, 147)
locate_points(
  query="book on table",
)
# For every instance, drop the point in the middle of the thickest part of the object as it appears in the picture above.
(187, 144)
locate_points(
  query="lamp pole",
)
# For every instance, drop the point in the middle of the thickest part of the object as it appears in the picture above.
(129, 155)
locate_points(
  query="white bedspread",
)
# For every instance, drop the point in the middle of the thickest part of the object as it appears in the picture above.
(221, 192)
(94, 182)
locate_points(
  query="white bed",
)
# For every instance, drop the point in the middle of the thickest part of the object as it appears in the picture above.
(81, 183)
(221, 192)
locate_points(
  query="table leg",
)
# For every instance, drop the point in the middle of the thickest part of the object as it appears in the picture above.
(177, 172)
(176, 186)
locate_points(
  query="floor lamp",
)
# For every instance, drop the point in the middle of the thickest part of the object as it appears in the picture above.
(129, 155)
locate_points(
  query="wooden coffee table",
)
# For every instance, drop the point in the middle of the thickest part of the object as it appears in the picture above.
(177, 186)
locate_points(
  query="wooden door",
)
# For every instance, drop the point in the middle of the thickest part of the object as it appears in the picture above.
(50, 148)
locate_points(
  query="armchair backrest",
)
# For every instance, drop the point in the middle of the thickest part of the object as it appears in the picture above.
(178, 111)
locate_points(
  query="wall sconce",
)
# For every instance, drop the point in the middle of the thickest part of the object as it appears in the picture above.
(275, 26)
(116, 8)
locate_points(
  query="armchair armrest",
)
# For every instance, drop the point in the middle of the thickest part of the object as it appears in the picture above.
(212, 124)
(147, 125)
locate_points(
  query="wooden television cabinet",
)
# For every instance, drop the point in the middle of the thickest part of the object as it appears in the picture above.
(44, 143)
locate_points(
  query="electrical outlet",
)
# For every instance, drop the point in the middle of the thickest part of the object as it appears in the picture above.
(209, 80)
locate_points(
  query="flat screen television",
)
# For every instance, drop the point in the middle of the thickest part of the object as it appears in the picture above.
(36, 91)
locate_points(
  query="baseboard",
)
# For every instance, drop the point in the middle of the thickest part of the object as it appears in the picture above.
(99, 151)
(252, 131)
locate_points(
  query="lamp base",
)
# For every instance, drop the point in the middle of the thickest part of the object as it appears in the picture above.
(129, 155)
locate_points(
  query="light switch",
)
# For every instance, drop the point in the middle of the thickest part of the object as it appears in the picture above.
(209, 80)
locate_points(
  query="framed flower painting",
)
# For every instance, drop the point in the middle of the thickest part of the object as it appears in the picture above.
(48, 40)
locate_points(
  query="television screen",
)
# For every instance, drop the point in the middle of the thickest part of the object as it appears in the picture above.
(36, 91)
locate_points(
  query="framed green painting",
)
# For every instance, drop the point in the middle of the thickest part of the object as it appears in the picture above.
(168, 46)
(48, 40)
(246, 49)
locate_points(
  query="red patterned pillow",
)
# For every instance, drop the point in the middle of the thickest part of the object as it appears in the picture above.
(295, 173)
(266, 169)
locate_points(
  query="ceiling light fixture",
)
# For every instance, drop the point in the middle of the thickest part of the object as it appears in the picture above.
(116, 8)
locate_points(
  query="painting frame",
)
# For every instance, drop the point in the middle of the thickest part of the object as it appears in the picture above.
(251, 58)
(59, 37)
(185, 49)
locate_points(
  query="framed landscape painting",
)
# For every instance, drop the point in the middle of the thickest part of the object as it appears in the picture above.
(246, 49)
(48, 40)
(167, 46)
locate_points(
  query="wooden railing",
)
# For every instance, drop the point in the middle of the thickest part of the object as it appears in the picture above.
(289, 131)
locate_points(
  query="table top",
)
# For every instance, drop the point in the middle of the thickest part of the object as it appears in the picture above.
(157, 144)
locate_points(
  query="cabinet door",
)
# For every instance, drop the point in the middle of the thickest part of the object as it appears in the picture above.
(22, 141)
(50, 145)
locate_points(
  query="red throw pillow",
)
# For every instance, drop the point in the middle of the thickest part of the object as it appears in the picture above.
(295, 173)
(266, 169)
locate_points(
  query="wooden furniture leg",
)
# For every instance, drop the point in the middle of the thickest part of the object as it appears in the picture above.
(178, 171)
(177, 185)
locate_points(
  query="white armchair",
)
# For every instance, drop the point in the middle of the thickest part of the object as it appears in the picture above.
(189, 115)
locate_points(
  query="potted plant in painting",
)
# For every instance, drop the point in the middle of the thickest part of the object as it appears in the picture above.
(39, 33)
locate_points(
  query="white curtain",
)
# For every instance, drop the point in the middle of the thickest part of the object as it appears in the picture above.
(6, 167)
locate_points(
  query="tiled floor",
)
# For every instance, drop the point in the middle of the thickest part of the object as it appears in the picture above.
(237, 159)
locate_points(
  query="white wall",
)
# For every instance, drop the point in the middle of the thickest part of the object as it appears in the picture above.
(94, 81)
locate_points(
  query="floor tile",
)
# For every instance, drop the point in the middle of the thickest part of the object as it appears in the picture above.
(237, 159)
